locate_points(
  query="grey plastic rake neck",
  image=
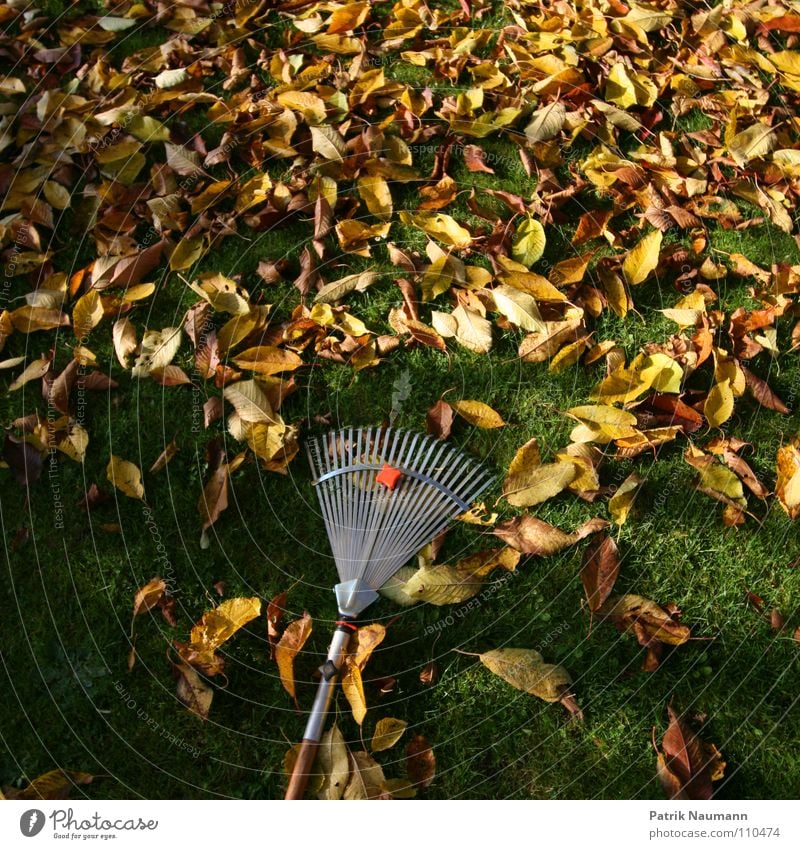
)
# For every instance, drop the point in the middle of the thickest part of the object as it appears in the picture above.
(384, 494)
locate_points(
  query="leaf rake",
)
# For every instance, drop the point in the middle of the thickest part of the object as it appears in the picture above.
(384, 494)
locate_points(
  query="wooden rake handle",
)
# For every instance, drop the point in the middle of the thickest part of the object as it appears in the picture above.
(302, 769)
(329, 670)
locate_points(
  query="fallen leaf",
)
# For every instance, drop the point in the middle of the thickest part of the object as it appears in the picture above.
(214, 628)
(687, 767)
(289, 646)
(599, 569)
(526, 670)
(367, 780)
(353, 689)
(642, 259)
(787, 486)
(439, 420)
(535, 536)
(192, 690)
(387, 732)
(478, 414)
(125, 476)
(56, 784)
(420, 762)
(540, 483)
(333, 761)
(621, 502)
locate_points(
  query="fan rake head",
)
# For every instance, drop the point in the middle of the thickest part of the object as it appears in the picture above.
(384, 494)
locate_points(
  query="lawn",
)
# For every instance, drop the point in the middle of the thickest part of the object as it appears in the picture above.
(67, 697)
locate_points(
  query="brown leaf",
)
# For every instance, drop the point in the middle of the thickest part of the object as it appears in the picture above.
(535, 536)
(761, 391)
(56, 784)
(148, 596)
(61, 387)
(291, 643)
(23, 459)
(439, 419)
(420, 761)
(599, 569)
(474, 159)
(164, 457)
(650, 623)
(275, 610)
(691, 766)
(429, 674)
(192, 690)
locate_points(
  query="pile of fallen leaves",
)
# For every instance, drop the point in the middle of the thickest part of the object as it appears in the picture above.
(312, 125)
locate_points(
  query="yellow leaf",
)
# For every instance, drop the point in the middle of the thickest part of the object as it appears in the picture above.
(601, 424)
(473, 331)
(266, 359)
(443, 584)
(221, 623)
(33, 371)
(620, 504)
(757, 140)
(525, 669)
(619, 387)
(353, 689)
(29, 319)
(718, 407)
(374, 191)
(387, 732)
(477, 413)
(187, 252)
(619, 87)
(364, 642)
(603, 415)
(56, 784)
(439, 226)
(541, 483)
(529, 242)
(158, 349)
(328, 143)
(642, 259)
(291, 642)
(223, 294)
(75, 443)
(721, 479)
(87, 313)
(661, 373)
(787, 486)
(518, 307)
(125, 476)
(568, 355)
(688, 311)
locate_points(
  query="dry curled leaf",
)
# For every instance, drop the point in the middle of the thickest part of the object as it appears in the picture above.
(687, 767)
(599, 569)
(420, 762)
(289, 646)
(534, 536)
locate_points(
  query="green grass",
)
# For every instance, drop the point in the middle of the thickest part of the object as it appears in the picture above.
(68, 700)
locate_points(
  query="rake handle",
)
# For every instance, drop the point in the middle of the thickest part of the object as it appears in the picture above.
(315, 725)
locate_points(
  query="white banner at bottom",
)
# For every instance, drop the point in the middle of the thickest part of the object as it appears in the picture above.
(464, 824)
